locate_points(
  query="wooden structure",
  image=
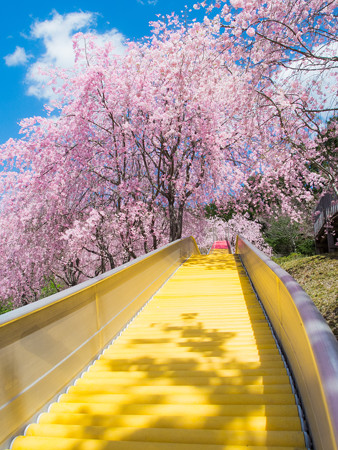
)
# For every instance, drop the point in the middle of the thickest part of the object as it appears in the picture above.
(326, 224)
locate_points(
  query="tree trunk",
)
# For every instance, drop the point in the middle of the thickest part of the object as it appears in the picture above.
(175, 221)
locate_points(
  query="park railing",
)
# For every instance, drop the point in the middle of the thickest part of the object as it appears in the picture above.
(44, 345)
(309, 345)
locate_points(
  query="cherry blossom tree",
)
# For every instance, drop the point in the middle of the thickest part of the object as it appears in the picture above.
(216, 229)
(137, 145)
(290, 48)
(135, 141)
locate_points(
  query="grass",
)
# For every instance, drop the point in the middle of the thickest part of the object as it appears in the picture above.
(318, 276)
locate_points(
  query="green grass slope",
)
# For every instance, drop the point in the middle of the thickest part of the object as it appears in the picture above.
(318, 276)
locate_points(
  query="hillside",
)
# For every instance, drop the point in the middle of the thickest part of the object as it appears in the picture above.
(318, 276)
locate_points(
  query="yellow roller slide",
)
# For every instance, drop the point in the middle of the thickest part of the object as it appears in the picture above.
(197, 369)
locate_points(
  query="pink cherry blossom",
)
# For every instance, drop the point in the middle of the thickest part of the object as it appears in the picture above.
(139, 144)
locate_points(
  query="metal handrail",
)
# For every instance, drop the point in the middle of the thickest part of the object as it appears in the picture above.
(46, 344)
(308, 342)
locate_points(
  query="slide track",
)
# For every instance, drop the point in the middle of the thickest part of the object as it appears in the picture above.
(198, 368)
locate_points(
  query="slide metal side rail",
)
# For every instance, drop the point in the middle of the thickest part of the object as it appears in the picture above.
(46, 344)
(308, 342)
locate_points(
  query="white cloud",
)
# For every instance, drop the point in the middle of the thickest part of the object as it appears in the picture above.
(18, 58)
(56, 35)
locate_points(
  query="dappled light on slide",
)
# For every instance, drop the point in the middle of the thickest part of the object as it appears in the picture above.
(197, 369)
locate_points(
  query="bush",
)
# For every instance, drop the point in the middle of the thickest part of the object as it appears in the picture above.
(285, 237)
(50, 288)
(305, 246)
(5, 306)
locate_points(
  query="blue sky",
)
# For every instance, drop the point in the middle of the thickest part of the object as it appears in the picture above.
(35, 33)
